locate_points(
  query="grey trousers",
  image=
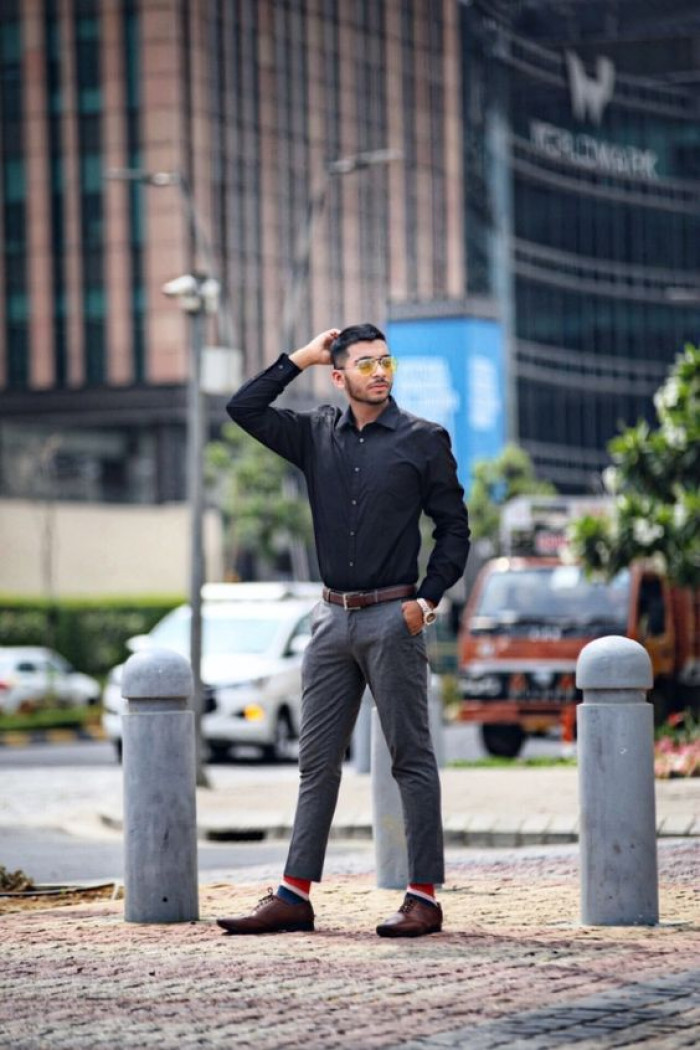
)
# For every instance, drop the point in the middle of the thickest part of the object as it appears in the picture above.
(347, 650)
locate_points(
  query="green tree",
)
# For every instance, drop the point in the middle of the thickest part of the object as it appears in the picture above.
(265, 510)
(655, 482)
(495, 482)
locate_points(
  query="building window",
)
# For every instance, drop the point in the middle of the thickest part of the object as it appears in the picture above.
(14, 189)
(132, 66)
(89, 95)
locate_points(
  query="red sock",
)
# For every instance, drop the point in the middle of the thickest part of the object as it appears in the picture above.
(426, 890)
(303, 886)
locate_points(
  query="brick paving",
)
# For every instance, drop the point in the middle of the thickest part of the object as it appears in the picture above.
(512, 969)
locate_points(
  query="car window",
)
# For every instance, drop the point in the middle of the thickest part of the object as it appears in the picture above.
(58, 664)
(554, 593)
(27, 667)
(303, 627)
(222, 633)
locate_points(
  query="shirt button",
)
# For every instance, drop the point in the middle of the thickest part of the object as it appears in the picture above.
(362, 440)
(351, 563)
(354, 502)
(352, 533)
(357, 470)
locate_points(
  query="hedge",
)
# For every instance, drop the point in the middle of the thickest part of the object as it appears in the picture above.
(90, 634)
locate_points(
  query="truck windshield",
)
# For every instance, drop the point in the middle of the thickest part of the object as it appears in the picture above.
(560, 595)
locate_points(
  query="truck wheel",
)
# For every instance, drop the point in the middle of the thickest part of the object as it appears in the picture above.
(503, 739)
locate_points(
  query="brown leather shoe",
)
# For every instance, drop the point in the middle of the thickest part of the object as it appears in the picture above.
(272, 915)
(413, 919)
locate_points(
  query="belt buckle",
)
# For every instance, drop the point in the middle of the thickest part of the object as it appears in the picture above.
(346, 595)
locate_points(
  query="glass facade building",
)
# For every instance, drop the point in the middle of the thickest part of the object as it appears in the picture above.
(548, 159)
(582, 158)
(251, 102)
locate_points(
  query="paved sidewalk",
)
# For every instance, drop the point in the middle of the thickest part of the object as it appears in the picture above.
(502, 806)
(512, 969)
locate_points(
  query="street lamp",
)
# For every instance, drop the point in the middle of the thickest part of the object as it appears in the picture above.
(197, 295)
(198, 233)
(317, 202)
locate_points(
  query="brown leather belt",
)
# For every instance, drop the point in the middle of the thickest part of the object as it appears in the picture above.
(361, 599)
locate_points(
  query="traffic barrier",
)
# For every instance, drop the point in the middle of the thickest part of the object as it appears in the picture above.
(617, 839)
(160, 821)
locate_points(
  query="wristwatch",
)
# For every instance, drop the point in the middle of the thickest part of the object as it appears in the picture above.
(429, 615)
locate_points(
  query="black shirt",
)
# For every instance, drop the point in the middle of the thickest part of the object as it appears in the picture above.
(366, 488)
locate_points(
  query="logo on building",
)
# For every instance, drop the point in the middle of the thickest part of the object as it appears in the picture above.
(590, 95)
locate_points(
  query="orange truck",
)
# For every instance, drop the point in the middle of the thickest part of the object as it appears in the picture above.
(529, 616)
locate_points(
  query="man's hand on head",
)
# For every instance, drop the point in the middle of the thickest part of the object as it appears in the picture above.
(317, 352)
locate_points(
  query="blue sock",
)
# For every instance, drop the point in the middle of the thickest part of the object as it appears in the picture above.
(423, 900)
(289, 896)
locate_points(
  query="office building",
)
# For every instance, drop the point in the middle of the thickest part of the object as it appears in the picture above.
(582, 204)
(240, 108)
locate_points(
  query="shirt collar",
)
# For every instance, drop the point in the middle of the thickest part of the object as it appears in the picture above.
(389, 417)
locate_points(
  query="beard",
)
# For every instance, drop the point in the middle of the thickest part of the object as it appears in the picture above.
(360, 391)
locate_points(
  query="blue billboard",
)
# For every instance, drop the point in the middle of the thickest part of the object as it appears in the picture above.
(451, 371)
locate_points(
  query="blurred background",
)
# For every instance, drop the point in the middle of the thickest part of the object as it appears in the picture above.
(511, 189)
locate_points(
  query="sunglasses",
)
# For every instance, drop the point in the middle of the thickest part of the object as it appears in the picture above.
(366, 365)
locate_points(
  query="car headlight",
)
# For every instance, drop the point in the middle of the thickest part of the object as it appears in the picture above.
(253, 713)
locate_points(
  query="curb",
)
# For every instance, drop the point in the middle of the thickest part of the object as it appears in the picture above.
(66, 735)
(477, 832)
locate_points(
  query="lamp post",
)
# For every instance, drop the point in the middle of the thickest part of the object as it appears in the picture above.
(317, 203)
(197, 294)
(198, 233)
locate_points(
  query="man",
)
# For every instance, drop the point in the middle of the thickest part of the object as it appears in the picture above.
(370, 471)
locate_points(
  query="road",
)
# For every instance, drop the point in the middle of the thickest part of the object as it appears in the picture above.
(51, 856)
(43, 783)
(461, 742)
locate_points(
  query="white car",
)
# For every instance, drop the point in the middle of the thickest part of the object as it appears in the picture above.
(253, 637)
(33, 676)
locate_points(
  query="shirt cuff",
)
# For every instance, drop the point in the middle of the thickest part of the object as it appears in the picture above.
(285, 368)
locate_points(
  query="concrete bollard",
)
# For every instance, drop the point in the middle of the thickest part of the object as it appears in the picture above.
(362, 735)
(390, 853)
(160, 821)
(435, 714)
(619, 878)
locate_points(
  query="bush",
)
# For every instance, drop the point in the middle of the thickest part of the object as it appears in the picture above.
(677, 749)
(90, 634)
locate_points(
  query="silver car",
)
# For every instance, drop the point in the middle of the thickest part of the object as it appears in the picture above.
(253, 637)
(33, 676)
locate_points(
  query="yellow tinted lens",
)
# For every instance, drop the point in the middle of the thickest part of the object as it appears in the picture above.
(366, 365)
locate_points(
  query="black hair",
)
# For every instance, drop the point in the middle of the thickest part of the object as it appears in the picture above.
(356, 333)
